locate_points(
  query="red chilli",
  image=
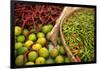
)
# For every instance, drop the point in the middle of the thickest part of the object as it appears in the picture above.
(28, 16)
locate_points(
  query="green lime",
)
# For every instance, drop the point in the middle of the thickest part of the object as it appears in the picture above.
(32, 56)
(47, 28)
(40, 60)
(20, 38)
(21, 50)
(19, 60)
(40, 34)
(18, 45)
(43, 52)
(32, 37)
(25, 32)
(59, 59)
(18, 30)
(28, 43)
(41, 41)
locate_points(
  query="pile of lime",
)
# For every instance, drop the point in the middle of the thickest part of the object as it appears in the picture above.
(30, 48)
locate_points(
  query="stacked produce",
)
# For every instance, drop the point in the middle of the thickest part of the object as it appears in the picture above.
(36, 15)
(34, 21)
(78, 32)
(31, 44)
(34, 48)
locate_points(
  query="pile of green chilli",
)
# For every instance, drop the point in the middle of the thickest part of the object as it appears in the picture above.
(78, 32)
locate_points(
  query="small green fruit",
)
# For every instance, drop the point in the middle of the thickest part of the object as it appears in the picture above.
(28, 43)
(32, 37)
(29, 63)
(18, 45)
(32, 56)
(36, 47)
(59, 59)
(21, 38)
(40, 60)
(22, 50)
(50, 26)
(40, 34)
(41, 41)
(25, 32)
(53, 52)
(18, 30)
(50, 61)
(46, 28)
(67, 60)
(43, 52)
(62, 50)
(19, 60)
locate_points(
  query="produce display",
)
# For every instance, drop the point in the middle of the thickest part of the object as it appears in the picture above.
(78, 32)
(34, 21)
(34, 17)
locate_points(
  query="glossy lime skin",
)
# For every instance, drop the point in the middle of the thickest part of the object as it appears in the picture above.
(54, 52)
(43, 52)
(59, 59)
(19, 60)
(21, 38)
(18, 45)
(40, 34)
(40, 60)
(32, 37)
(62, 50)
(36, 47)
(47, 28)
(28, 43)
(22, 50)
(41, 41)
(25, 32)
(50, 61)
(50, 26)
(18, 30)
(32, 56)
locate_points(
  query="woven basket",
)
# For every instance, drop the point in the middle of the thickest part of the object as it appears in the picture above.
(69, 53)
